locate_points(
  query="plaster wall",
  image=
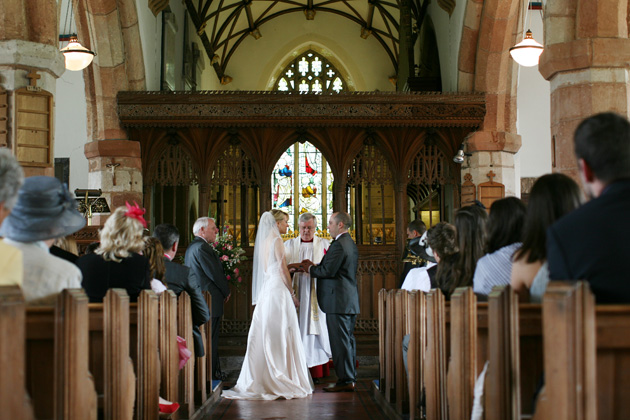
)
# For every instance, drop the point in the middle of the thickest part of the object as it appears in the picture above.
(257, 62)
(448, 32)
(151, 40)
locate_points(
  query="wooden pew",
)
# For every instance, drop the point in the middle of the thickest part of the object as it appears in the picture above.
(435, 357)
(187, 373)
(587, 355)
(400, 330)
(169, 352)
(462, 368)
(382, 328)
(148, 359)
(14, 399)
(416, 313)
(390, 369)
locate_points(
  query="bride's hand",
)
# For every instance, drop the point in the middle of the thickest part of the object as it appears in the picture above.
(296, 302)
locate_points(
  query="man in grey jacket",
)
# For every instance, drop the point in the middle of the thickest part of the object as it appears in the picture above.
(205, 263)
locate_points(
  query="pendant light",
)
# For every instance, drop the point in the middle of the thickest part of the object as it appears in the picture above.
(77, 56)
(527, 52)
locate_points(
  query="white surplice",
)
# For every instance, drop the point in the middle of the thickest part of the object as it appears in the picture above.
(313, 327)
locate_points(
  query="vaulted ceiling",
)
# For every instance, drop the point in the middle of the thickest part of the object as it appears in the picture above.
(223, 25)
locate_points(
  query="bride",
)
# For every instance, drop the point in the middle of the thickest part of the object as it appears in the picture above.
(274, 365)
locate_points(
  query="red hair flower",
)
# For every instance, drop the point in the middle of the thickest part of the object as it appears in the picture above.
(135, 212)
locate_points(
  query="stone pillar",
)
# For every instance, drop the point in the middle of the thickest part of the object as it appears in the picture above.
(492, 151)
(586, 62)
(116, 168)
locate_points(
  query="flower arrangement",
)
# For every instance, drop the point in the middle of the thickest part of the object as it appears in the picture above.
(231, 256)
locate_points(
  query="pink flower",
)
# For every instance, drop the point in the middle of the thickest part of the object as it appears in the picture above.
(229, 247)
(216, 243)
(236, 271)
(225, 258)
(228, 277)
(239, 279)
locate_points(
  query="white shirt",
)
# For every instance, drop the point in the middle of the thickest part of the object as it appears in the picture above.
(418, 279)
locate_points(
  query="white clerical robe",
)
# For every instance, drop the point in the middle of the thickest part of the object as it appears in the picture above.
(312, 320)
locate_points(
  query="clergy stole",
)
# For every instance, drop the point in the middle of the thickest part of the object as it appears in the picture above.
(294, 257)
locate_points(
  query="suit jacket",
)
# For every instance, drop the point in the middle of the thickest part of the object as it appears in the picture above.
(206, 266)
(180, 278)
(336, 275)
(591, 243)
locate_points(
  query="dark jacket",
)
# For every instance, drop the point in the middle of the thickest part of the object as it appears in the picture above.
(131, 274)
(206, 266)
(591, 243)
(336, 275)
(180, 278)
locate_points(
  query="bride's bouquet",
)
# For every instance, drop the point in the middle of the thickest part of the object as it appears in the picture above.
(231, 256)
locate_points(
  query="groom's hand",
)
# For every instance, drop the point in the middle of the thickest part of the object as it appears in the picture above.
(295, 267)
(306, 265)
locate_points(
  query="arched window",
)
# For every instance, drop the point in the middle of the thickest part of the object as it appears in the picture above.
(310, 73)
(302, 182)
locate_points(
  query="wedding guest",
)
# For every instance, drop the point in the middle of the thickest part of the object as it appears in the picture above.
(412, 256)
(205, 263)
(11, 179)
(312, 320)
(44, 212)
(505, 227)
(442, 240)
(180, 278)
(591, 243)
(154, 252)
(66, 248)
(117, 262)
(552, 196)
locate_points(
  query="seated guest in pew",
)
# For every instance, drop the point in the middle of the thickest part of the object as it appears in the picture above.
(11, 179)
(413, 256)
(44, 212)
(591, 243)
(154, 252)
(419, 278)
(117, 262)
(180, 278)
(66, 248)
(505, 227)
(552, 196)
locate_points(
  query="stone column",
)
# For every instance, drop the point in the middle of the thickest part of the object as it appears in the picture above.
(492, 151)
(586, 62)
(116, 168)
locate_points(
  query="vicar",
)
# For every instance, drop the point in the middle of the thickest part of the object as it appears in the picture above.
(312, 320)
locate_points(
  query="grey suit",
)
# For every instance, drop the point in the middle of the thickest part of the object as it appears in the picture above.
(205, 264)
(338, 297)
(180, 278)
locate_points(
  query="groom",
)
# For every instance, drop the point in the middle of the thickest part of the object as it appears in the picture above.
(338, 297)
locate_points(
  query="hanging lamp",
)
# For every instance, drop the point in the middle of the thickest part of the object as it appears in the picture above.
(527, 52)
(77, 56)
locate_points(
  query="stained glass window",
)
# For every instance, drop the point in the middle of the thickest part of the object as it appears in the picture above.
(310, 73)
(302, 182)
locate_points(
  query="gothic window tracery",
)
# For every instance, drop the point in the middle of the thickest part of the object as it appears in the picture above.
(311, 73)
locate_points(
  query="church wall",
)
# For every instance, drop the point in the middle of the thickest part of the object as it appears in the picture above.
(257, 61)
(151, 40)
(533, 115)
(71, 126)
(448, 32)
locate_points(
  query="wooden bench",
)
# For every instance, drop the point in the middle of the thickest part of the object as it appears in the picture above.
(587, 356)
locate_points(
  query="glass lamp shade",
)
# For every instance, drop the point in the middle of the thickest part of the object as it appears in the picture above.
(77, 56)
(527, 52)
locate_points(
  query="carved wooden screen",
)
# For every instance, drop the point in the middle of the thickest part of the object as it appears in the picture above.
(429, 184)
(175, 191)
(234, 188)
(372, 197)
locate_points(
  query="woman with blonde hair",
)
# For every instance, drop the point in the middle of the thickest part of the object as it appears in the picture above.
(117, 262)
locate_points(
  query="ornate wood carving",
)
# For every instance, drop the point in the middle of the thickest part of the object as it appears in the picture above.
(469, 191)
(4, 136)
(173, 168)
(234, 168)
(431, 166)
(268, 109)
(369, 167)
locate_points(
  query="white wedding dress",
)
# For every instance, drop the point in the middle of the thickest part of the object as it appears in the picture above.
(274, 365)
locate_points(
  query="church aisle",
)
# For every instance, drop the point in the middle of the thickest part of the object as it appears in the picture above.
(321, 405)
